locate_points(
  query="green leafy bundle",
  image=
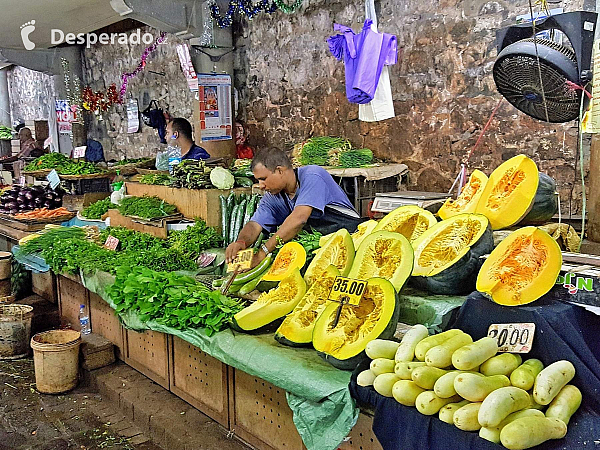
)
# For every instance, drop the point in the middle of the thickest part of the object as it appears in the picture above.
(323, 150)
(356, 158)
(175, 300)
(133, 240)
(62, 164)
(97, 209)
(195, 239)
(146, 207)
(132, 161)
(5, 132)
(159, 179)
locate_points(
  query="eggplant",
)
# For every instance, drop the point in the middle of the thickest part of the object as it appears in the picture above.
(21, 199)
(38, 188)
(14, 211)
(22, 207)
(16, 189)
(38, 202)
(48, 196)
(48, 204)
(9, 196)
(28, 195)
(11, 205)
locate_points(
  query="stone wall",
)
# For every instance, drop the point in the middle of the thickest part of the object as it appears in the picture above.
(442, 86)
(104, 64)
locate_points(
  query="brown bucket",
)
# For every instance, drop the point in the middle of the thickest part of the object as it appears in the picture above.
(15, 330)
(56, 360)
(5, 265)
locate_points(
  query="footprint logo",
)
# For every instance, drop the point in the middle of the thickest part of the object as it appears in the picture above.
(26, 29)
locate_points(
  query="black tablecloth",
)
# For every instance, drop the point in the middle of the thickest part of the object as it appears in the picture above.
(563, 331)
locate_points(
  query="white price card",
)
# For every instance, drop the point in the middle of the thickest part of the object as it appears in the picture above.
(79, 152)
(53, 179)
(111, 243)
(513, 337)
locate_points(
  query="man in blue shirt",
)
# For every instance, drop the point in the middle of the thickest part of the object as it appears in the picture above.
(180, 130)
(294, 198)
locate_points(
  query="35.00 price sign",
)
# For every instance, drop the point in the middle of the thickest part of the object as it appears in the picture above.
(349, 288)
(513, 337)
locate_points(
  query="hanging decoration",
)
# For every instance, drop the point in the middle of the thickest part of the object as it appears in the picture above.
(206, 39)
(128, 75)
(288, 9)
(241, 7)
(72, 88)
(99, 101)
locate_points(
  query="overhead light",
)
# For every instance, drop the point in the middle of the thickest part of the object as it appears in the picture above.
(120, 7)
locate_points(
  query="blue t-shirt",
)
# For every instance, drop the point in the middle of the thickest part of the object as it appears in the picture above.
(196, 152)
(316, 189)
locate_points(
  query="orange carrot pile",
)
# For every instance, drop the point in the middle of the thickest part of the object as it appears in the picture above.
(43, 213)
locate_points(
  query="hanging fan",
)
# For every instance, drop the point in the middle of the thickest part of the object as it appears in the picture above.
(517, 72)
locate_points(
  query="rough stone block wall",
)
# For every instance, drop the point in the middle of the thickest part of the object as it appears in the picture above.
(104, 64)
(292, 88)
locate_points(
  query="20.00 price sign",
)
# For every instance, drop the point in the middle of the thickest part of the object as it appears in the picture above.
(513, 337)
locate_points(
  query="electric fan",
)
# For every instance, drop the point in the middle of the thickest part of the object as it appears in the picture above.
(564, 71)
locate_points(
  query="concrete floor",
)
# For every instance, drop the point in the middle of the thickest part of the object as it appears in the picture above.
(30, 420)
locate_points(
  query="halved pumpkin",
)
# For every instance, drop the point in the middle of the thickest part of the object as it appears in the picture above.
(410, 221)
(297, 328)
(291, 256)
(466, 202)
(522, 268)
(338, 250)
(447, 256)
(509, 192)
(363, 230)
(383, 254)
(545, 204)
(272, 305)
(375, 317)
(323, 239)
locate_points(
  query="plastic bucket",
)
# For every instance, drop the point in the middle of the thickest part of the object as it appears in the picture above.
(15, 330)
(56, 360)
(5, 265)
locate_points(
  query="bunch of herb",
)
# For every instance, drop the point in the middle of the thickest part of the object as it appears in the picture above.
(132, 161)
(159, 178)
(195, 239)
(175, 300)
(132, 240)
(97, 209)
(323, 150)
(49, 237)
(146, 207)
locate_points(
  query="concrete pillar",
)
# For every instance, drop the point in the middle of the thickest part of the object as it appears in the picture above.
(4, 98)
(593, 201)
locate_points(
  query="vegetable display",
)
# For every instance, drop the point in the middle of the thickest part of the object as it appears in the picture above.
(195, 239)
(19, 199)
(236, 211)
(191, 174)
(97, 209)
(472, 401)
(5, 132)
(160, 179)
(44, 213)
(146, 207)
(356, 158)
(222, 178)
(62, 164)
(174, 300)
(321, 151)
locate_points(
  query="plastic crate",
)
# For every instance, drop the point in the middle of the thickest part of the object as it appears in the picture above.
(361, 191)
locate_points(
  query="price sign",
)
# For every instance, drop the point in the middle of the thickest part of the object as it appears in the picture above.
(242, 261)
(111, 243)
(513, 337)
(53, 178)
(348, 288)
(22, 181)
(79, 152)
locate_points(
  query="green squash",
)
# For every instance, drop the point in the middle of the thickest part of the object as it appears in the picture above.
(545, 203)
(338, 250)
(297, 328)
(447, 256)
(272, 305)
(375, 317)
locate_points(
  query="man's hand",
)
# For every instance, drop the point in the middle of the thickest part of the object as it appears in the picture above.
(257, 258)
(232, 250)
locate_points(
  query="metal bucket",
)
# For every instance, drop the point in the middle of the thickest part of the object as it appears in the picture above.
(15, 330)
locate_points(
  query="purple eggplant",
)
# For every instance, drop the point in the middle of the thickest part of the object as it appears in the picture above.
(14, 211)
(21, 199)
(29, 195)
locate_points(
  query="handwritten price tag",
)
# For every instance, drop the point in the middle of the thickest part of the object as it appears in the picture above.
(79, 152)
(111, 243)
(348, 288)
(242, 261)
(22, 181)
(53, 179)
(513, 337)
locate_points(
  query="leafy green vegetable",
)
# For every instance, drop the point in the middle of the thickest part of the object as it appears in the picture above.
(132, 161)
(323, 150)
(159, 178)
(98, 209)
(195, 239)
(62, 164)
(175, 300)
(133, 240)
(356, 158)
(222, 178)
(5, 132)
(146, 207)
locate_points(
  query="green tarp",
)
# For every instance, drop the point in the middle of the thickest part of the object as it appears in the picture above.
(324, 412)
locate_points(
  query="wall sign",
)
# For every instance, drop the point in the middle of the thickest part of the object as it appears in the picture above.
(133, 116)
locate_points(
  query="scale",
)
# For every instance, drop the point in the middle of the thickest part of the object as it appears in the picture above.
(388, 201)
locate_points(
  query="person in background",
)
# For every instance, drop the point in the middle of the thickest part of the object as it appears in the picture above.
(28, 147)
(294, 199)
(180, 130)
(242, 150)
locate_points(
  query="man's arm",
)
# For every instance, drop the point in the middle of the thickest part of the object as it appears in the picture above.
(247, 237)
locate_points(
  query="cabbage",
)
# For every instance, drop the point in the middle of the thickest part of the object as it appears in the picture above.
(221, 178)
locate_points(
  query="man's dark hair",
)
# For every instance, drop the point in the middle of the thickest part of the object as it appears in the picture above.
(182, 126)
(271, 158)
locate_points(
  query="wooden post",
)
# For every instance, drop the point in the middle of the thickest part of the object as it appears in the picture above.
(593, 207)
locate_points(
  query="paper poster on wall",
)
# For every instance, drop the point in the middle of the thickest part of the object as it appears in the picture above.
(214, 94)
(65, 116)
(187, 67)
(133, 116)
(591, 121)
